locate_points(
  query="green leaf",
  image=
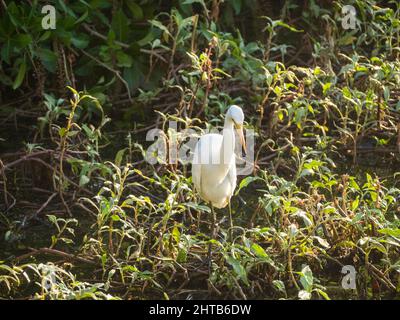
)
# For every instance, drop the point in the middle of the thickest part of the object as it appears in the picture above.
(326, 87)
(202, 2)
(52, 218)
(103, 259)
(82, 18)
(131, 76)
(136, 10)
(5, 51)
(346, 40)
(22, 40)
(80, 41)
(182, 256)
(146, 39)
(115, 217)
(45, 36)
(378, 246)
(285, 25)
(176, 234)
(322, 242)
(20, 76)
(118, 157)
(238, 268)
(237, 5)
(245, 182)
(53, 240)
(279, 285)
(323, 294)
(386, 93)
(62, 132)
(48, 58)
(355, 204)
(123, 60)
(198, 207)
(73, 91)
(390, 232)
(120, 24)
(67, 10)
(306, 278)
(83, 180)
(260, 252)
(159, 25)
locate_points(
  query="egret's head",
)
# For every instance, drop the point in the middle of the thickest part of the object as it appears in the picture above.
(236, 114)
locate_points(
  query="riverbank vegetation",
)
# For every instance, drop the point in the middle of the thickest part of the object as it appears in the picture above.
(83, 215)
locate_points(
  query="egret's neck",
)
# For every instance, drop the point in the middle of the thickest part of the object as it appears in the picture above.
(228, 146)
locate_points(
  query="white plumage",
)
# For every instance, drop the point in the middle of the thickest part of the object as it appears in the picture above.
(214, 166)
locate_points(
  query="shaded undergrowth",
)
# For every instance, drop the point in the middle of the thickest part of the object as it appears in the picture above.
(83, 215)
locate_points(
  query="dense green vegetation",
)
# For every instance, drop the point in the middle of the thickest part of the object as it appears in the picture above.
(82, 215)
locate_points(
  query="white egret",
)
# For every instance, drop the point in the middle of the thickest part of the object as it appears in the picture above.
(214, 165)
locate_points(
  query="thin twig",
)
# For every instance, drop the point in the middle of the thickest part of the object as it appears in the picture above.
(55, 252)
(116, 72)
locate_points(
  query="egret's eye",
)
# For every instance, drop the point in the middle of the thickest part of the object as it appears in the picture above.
(237, 125)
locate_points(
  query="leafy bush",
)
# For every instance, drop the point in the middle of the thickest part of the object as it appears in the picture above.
(85, 217)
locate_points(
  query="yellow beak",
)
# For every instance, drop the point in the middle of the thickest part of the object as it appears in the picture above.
(239, 130)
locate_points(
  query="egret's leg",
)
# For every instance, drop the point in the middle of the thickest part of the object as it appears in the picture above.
(230, 238)
(213, 236)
